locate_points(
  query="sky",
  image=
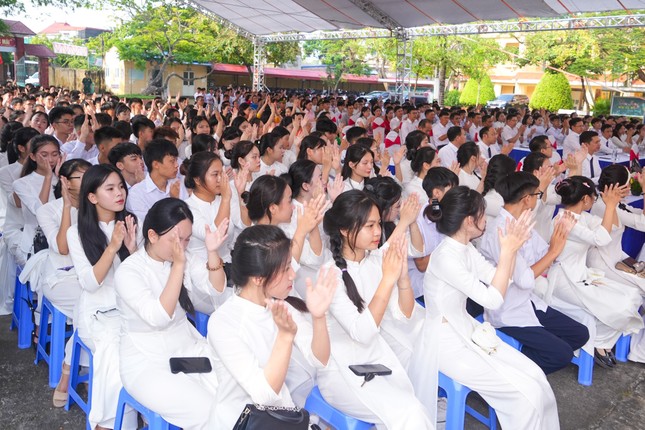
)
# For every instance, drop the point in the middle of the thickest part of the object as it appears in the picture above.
(38, 18)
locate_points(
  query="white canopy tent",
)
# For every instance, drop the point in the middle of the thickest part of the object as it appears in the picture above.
(295, 20)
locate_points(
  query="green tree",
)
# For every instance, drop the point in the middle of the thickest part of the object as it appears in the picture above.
(340, 57)
(168, 33)
(622, 51)
(477, 91)
(452, 98)
(552, 93)
(576, 52)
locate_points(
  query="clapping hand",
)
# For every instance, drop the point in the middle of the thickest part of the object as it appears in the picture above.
(214, 239)
(518, 231)
(561, 230)
(392, 264)
(336, 188)
(130, 234)
(410, 210)
(612, 194)
(312, 214)
(319, 297)
(282, 317)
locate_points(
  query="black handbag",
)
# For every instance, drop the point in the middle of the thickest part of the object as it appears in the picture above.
(257, 417)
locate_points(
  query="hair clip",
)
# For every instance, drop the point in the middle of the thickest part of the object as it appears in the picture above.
(586, 185)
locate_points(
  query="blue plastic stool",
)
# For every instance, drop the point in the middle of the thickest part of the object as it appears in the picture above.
(154, 420)
(54, 335)
(200, 321)
(22, 317)
(584, 361)
(622, 347)
(316, 405)
(456, 395)
(76, 378)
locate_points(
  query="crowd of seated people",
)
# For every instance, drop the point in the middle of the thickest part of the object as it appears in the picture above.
(320, 233)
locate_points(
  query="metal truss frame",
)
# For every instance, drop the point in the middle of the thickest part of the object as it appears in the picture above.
(521, 26)
(403, 64)
(259, 60)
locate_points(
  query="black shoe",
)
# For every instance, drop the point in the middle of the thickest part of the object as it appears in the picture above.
(611, 356)
(602, 360)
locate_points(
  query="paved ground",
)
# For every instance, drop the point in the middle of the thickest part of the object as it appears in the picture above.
(615, 401)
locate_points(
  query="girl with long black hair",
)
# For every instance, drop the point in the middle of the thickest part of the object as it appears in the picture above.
(104, 236)
(373, 316)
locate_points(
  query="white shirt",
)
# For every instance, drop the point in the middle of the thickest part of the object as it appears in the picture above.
(79, 152)
(448, 155)
(516, 311)
(415, 186)
(50, 216)
(144, 194)
(571, 143)
(484, 150)
(469, 180)
(439, 130)
(350, 184)
(277, 167)
(509, 133)
(406, 128)
(591, 160)
(556, 133)
(204, 213)
(28, 189)
(606, 147)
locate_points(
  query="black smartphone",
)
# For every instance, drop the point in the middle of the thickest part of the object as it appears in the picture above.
(190, 365)
(367, 369)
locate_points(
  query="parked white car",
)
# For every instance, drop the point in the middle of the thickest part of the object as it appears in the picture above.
(33, 79)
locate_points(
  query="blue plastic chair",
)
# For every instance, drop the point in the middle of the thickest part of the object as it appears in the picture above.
(622, 347)
(584, 361)
(76, 378)
(22, 317)
(456, 394)
(316, 405)
(200, 321)
(154, 420)
(55, 335)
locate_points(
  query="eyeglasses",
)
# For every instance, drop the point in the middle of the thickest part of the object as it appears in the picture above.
(75, 177)
(539, 194)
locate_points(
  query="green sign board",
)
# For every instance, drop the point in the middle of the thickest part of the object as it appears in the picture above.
(628, 106)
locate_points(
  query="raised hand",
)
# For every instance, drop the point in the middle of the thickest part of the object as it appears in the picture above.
(312, 214)
(214, 239)
(399, 154)
(518, 231)
(282, 317)
(64, 191)
(175, 188)
(130, 238)
(410, 210)
(118, 234)
(454, 167)
(561, 230)
(336, 188)
(178, 252)
(319, 297)
(611, 195)
(545, 175)
(392, 261)
(240, 179)
(61, 160)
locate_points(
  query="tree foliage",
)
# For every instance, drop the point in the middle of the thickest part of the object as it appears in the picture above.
(477, 91)
(452, 98)
(340, 57)
(171, 33)
(552, 93)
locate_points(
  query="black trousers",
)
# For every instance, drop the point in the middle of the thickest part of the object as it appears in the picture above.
(551, 346)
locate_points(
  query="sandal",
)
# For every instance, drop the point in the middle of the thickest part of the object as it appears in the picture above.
(60, 398)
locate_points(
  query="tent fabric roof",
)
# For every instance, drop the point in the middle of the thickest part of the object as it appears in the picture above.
(264, 17)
